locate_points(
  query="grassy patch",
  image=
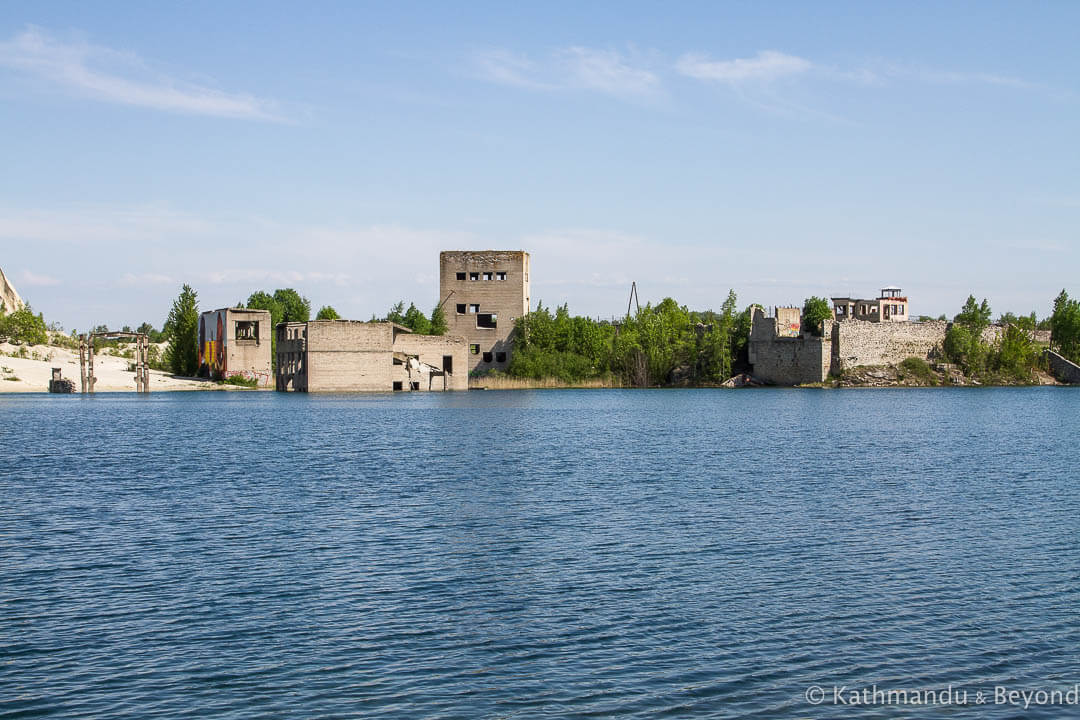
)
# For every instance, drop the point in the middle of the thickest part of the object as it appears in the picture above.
(241, 381)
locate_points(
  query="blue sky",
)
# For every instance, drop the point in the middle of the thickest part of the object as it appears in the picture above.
(780, 149)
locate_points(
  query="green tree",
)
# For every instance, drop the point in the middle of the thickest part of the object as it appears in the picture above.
(1065, 327)
(815, 314)
(416, 320)
(294, 307)
(397, 313)
(24, 326)
(437, 322)
(182, 328)
(327, 313)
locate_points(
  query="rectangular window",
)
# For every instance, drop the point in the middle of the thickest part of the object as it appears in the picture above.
(474, 276)
(448, 363)
(397, 385)
(487, 276)
(474, 349)
(500, 276)
(461, 276)
(487, 320)
(414, 386)
(461, 308)
(474, 308)
(500, 357)
(487, 357)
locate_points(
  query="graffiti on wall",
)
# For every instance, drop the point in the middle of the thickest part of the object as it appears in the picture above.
(212, 339)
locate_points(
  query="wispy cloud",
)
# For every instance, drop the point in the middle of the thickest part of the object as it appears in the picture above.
(571, 68)
(606, 71)
(36, 280)
(107, 75)
(767, 65)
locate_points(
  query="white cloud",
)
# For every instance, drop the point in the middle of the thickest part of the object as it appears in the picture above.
(606, 71)
(146, 279)
(507, 68)
(110, 76)
(36, 280)
(581, 68)
(765, 66)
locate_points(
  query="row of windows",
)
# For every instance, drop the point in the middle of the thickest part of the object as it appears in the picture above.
(482, 276)
(474, 349)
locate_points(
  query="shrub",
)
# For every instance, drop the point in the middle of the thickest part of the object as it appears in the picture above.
(916, 367)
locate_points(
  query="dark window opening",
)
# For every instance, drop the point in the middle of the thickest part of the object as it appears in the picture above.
(474, 349)
(461, 308)
(414, 386)
(487, 357)
(500, 276)
(397, 361)
(448, 363)
(487, 320)
(474, 308)
(461, 276)
(500, 357)
(397, 385)
(474, 276)
(487, 276)
(247, 330)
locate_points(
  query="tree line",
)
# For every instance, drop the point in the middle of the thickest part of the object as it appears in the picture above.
(660, 344)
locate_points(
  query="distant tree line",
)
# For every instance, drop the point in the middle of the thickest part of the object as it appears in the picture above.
(659, 344)
(415, 320)
(1012, 357)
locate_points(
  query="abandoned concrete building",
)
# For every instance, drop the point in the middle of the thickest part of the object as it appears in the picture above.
(483, 292)
(236, 341)
(783, 357)
(889, 306)
(353, 356)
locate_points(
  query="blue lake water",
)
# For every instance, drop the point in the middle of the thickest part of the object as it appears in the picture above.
(678, 553)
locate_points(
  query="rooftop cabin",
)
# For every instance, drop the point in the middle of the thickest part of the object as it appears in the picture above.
(890, 306)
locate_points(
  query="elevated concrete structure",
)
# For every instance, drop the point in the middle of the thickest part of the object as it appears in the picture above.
(353, 356)
(889, 306)
(483, 292)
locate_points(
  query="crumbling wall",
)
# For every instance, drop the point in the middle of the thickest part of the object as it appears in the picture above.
(786, 360)
(859, 342)
(433, 350)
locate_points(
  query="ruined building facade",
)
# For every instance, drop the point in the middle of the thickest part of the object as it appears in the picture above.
(482, 293)
(236, 341)
(352, 356)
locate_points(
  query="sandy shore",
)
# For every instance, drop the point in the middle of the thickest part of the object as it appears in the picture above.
(32, 373)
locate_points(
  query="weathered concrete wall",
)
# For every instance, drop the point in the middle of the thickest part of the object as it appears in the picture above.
(859, 342)
(465, 299)
(9, 299)
(1062, 369)
(786, 360)
(349, 356)
(249, 355)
